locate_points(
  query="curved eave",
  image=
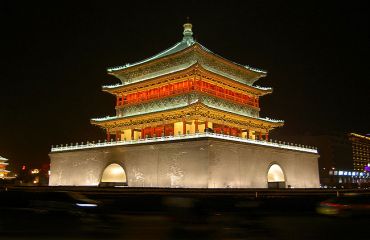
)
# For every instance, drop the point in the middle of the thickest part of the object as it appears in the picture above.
(195, 46)
(262, 73)
(102, 122)
(115, 89)
(172, 50)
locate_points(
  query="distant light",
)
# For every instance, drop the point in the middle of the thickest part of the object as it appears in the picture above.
(23, 167)
(35, 171)
(86, 204)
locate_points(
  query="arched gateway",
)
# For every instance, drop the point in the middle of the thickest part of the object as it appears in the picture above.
(275, 177)
(113, 175)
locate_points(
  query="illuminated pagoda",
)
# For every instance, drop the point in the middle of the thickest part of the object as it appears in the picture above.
(186, 117)
(3, 164)
(184, 90)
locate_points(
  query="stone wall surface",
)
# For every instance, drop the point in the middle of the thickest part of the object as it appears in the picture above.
(205, 163)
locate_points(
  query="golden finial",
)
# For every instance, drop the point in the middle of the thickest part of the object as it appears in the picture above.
(188, 28)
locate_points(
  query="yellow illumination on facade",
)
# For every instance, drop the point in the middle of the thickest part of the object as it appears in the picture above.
(178, 128)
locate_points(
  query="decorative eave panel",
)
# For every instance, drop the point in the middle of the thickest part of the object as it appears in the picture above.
(194, 111)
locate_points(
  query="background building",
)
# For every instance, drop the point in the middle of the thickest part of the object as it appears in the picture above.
(344, 158)
(3, 164)
(360, 151)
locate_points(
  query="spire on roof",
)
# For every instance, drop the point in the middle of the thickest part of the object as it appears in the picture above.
(188, 33)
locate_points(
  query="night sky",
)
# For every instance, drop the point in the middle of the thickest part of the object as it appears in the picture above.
(54, 57)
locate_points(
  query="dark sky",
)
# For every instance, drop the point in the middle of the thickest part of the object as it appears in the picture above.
(54, 57)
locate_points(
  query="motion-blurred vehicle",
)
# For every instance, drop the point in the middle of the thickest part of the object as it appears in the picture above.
(44, 202)
(57, 202)
(48, 212)
(345, 206)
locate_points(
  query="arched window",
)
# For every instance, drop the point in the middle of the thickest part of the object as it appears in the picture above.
(114, 175)
(275, 177)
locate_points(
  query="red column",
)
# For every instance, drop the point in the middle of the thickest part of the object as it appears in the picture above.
(118, 135)
(142, 133)
(267, 136)
(260, 138)
(247, 134)
(196, 126)
(132, 134)
(108, 135)
(183, 127)
(206, 125)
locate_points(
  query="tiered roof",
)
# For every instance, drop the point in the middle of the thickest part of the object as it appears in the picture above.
(3, 160)
(3, 163)
(187, 57)
(196, 69)
(197, 108)
(181, 56)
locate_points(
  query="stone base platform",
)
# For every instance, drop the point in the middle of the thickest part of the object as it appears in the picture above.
(197, 162)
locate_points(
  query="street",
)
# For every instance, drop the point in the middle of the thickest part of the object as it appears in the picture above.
(173, 217)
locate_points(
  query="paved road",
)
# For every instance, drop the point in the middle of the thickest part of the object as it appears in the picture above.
(173, 217)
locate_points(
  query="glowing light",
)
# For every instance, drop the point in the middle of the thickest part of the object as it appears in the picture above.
(114, 173)
(275, 174)
(86, 204)
(35, 171)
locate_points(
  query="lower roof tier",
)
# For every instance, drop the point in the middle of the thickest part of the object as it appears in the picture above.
(196, 110)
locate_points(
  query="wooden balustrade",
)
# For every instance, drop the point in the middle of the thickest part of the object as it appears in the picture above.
(184, 87)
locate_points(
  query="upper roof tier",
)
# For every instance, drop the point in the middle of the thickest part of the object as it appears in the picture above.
(195, 70)
(182, 55)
